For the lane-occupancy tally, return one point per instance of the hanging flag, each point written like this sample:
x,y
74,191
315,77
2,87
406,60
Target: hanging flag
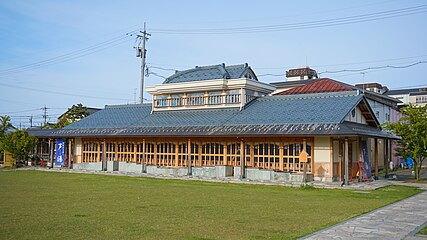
x,y
60,152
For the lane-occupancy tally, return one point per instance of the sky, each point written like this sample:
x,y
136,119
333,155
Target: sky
x,y
55,54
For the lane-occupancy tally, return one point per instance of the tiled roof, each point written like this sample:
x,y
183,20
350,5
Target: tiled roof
x,y
301,109
345,128
292,83
318,86
404,91
219,71
304,114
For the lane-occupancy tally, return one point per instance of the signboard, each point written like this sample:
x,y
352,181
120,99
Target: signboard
x,y
9,161
60,152
366,163
303,156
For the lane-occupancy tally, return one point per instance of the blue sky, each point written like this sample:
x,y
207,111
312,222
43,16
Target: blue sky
x,y
80,52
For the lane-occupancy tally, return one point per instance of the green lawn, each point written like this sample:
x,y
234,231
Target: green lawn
x,y
49,205
423,231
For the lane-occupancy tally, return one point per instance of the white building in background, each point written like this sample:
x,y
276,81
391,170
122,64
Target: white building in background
x,y
416,96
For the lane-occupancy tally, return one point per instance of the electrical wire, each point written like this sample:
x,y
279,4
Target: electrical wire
x,y
374,68
160,68
302,25
68,56
62,93
270,74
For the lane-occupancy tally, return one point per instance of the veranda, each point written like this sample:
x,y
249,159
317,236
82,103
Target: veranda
x,y
278,154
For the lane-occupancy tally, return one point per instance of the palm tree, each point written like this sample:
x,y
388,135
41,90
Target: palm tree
x,y
4,124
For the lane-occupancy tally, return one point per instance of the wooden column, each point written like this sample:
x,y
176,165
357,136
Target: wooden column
x,y
346,161
199,155
386,160
104,156
41,149
155,153
225,153
70,155
189,157
51,156
281,166
143,156
251,157
376,158
389,152
98,152
242,159
304,170
135,152
359,156
176,154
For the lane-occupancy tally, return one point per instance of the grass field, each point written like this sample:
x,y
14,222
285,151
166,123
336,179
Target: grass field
x,y
423,231
49,205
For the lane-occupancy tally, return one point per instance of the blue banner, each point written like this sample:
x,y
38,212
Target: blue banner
x,y
60,152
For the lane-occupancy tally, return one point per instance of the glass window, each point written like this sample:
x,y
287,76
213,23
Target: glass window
x,y
176,100
195,99
233,96
214,98
161,100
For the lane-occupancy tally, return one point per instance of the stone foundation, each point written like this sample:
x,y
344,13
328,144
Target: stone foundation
x,y
95,166
214,172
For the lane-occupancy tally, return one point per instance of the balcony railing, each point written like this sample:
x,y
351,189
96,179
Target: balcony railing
x,y
199,101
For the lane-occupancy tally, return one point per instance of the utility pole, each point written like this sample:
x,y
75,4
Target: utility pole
x,y
44,113
141,52
31,121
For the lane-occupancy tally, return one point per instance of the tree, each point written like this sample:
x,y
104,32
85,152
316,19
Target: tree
x,y
19,144
412,128
75,113
4,124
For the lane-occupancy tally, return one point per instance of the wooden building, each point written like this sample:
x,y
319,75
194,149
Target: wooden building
x,y
216,121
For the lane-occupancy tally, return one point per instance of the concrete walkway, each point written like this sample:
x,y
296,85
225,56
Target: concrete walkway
x,y
401,220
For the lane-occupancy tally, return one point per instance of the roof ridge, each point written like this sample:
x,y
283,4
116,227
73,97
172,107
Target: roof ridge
x,y
225,72
314,95
128,105
179,73
238,65
198,110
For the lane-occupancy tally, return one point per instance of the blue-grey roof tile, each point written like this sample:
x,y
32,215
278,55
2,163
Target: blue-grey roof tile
x,y
322,108
219,71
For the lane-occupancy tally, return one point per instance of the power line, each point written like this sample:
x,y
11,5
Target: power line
x,y
29,110
372,61
61,93
165,69
356,71
270,74
156,74
302,25
68,56
374,68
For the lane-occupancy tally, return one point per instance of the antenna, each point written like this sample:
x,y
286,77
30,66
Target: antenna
x,y
363,85
141,52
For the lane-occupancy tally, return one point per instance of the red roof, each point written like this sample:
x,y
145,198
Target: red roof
x,y
318,86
